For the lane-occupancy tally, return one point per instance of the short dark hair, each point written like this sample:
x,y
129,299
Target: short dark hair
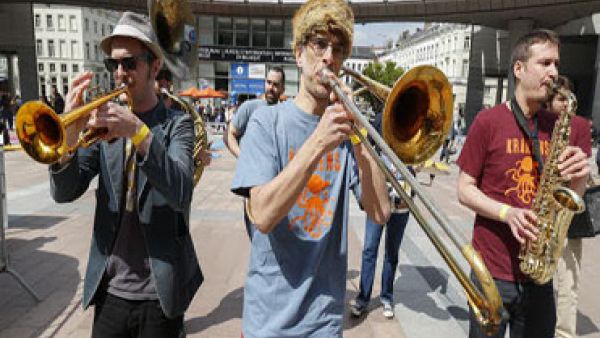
x,y
563,82
521,50
164,74
279,70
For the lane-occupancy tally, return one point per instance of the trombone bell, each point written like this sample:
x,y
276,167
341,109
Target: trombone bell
x,y
418,114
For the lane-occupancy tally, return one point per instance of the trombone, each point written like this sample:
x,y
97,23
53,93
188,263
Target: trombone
x,y
415,121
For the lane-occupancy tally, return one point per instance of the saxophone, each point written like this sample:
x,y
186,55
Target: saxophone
x,y
554,204
201,141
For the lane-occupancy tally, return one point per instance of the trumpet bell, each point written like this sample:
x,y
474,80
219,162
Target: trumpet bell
x,y
418,114
41,132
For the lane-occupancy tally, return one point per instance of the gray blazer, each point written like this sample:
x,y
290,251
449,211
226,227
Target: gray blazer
x,y
164,192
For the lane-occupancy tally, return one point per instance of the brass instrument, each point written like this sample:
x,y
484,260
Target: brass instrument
x,y
43,133
173,23
554,204
200,132
416,119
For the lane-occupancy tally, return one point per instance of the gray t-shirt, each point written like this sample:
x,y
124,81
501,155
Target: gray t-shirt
x,y
296,279
243,113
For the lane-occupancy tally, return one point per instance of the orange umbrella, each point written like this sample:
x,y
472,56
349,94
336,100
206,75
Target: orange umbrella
x,y
209,92
192,91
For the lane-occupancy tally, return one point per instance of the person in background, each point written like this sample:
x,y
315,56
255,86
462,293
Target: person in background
x,y
274,88
394,231
569,266
58,103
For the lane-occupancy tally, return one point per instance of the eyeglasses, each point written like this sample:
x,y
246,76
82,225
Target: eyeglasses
x,y
129,63
320,44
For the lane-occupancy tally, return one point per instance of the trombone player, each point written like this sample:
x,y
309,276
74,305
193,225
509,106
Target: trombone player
x,y
141,236
297,167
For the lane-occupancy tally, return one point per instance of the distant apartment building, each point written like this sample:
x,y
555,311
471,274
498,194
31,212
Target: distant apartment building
x,y
446,46
67,41
360,57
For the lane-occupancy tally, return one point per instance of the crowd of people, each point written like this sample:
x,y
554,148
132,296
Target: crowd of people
x,y
298,162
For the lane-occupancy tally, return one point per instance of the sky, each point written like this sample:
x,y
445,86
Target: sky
x,y
377,34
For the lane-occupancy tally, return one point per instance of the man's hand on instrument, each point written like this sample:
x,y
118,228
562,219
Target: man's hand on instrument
x,y
333,129
573,164
118,120
74,97
522,223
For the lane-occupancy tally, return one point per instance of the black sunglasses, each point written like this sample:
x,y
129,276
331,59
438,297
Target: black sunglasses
x,y
128,63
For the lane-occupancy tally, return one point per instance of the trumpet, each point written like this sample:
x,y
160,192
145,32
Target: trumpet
x,y
43,133
416,119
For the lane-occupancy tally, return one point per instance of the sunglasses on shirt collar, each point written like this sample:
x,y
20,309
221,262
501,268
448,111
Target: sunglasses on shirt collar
x,y
129,63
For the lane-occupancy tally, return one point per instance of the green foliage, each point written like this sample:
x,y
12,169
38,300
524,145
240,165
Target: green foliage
x,y
385,73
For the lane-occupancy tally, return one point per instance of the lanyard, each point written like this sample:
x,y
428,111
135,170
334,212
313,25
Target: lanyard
x,y
531,134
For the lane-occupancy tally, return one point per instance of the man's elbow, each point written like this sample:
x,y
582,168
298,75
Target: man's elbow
x,y
462,195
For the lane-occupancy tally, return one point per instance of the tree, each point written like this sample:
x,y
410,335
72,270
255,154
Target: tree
x,y
385,73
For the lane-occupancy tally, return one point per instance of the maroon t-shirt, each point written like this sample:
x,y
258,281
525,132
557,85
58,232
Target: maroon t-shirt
x,y
497,154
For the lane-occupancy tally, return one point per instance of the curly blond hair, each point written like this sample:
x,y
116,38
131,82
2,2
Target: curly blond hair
x,y
333,16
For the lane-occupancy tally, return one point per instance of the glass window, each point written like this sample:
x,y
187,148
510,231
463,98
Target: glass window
x,y
87,50
63,67
74,49
103,28
467,42
62,23
86,24
53,80
51,48
40,67
39,49
65,83
49,22
95,27
75,69
38,21
73,23
276,39
242,35
63,48
224,31
96,55
259,33
52,68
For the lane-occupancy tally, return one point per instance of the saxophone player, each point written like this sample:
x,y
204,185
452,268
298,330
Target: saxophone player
x,y
143,196
499,176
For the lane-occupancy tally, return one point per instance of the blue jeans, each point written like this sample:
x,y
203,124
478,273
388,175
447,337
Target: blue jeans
x,y
393,237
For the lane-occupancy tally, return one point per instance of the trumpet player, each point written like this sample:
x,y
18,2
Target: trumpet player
x,y
144,162
296,166
499,176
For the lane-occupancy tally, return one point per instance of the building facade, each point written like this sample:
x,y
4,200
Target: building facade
x,y
67,43
447,47
236,52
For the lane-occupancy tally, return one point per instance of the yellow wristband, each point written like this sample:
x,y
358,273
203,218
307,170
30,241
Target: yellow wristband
x,y
140,135
355,139
503,212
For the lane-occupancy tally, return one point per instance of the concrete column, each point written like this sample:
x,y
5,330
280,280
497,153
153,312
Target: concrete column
x,y
17,38
516,29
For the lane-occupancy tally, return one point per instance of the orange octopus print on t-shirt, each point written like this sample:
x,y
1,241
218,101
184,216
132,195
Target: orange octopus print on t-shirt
x,y
313,211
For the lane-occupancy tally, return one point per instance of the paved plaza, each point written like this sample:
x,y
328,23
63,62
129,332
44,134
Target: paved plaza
x,y
48,245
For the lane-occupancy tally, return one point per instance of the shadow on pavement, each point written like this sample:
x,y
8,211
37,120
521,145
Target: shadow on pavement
x,y
585,325
230,307
419,300
33,221
54,277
